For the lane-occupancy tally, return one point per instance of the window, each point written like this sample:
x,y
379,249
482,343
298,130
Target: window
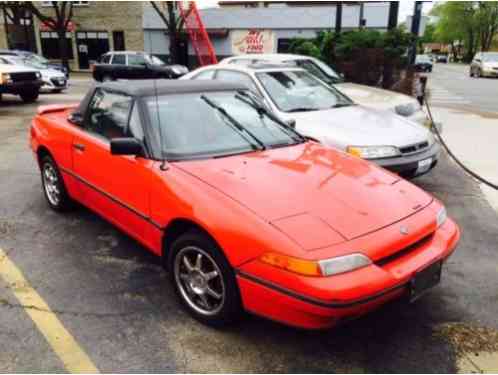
x,y
119,59
231,76
50,45
135,129
108,114
136,60
207,74
75,3
3,61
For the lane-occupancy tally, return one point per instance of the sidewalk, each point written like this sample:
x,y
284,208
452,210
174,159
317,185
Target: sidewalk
x,y
473,138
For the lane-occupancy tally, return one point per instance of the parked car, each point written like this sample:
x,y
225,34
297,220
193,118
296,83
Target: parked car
x,y
19,80
36,59
484,64
368,96
244,212
53,80
134,65
423,63
442,59
323,113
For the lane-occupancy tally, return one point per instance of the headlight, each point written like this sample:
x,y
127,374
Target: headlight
x,y
326,267
441,216
373,152
38,75
5,78
408,109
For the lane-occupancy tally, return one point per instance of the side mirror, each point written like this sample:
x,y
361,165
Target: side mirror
x,y
126,146
75,118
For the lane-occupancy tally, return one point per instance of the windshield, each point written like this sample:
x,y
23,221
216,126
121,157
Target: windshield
x,y
299,91
319,68
422,58
205,131
33,62
490,57
153,60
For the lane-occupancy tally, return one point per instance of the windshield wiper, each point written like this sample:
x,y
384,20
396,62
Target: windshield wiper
x,y
303,109
256,145
340,105
246,98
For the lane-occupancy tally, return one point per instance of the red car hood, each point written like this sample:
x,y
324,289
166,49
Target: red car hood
x,y
349,195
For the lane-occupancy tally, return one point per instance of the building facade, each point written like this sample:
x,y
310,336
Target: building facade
x,y
265,27
96,27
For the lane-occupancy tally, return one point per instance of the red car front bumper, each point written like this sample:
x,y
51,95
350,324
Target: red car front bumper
x,y
322,306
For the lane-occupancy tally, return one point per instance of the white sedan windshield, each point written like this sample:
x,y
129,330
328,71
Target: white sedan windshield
x,y
299,91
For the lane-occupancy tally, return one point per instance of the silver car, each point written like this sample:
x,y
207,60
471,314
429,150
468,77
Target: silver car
x,y
484,64
323,113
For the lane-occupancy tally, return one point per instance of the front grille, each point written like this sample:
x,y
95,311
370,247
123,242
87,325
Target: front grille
x,y
418,147
398,254
57,82
21,77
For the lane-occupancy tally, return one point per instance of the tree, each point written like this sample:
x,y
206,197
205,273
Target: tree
x,y
174,22
62,15
475,23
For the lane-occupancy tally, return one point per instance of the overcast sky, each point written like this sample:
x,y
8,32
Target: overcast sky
x,y
405,9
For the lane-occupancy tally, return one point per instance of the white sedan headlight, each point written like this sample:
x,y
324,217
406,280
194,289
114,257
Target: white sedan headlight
x,y
407,109
373,152
441,216
343,264
38,75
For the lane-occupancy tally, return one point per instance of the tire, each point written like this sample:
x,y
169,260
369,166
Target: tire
x,y
29,97
53,186
479,74
194,278
56,91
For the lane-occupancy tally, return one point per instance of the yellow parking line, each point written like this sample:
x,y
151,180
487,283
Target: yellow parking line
x,y
62,342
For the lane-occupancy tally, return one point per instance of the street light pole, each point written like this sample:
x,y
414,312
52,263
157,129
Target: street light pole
x,y
338,17
393,15
417,16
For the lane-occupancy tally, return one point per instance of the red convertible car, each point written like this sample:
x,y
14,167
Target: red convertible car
x,y
245,212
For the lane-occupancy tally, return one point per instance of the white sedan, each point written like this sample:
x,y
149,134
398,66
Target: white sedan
x,y
323,113
53,80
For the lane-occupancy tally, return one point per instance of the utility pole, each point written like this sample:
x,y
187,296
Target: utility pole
x,y
338,17
417,16
362,15
393,15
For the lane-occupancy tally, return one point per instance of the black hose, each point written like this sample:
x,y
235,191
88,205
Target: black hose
x,y
445,146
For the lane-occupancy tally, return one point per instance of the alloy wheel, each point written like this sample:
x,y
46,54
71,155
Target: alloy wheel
x,y
199,280
51,184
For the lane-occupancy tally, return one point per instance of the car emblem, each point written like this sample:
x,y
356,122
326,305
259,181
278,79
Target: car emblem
x,y
403,230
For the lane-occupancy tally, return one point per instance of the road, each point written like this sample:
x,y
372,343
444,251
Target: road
x,y
452,87
110,297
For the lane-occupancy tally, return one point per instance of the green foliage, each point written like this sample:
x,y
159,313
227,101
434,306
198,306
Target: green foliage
x,y
309,49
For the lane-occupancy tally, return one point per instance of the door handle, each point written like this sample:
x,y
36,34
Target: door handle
x,y
79,147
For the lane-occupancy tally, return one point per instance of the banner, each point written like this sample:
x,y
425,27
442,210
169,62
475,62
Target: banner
x,y
252,41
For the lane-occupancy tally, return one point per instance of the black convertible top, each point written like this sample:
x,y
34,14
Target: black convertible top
x,y
148,87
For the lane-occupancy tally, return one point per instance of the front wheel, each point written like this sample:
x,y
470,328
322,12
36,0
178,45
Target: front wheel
x,y
204,280
29,97
53,186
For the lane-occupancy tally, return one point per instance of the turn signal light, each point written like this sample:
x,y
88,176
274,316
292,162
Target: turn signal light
x,y
300,266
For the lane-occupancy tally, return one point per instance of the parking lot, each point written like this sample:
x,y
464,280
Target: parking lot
x,y
76,287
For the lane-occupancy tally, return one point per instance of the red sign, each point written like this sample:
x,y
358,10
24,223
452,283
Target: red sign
x,y
48,26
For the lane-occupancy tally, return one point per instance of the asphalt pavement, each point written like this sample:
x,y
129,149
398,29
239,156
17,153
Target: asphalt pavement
x,y
113,299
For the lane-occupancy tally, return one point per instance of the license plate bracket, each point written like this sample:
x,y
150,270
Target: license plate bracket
x,y
425,280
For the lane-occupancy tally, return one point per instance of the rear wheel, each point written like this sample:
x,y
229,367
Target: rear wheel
x,y
204,280
53,185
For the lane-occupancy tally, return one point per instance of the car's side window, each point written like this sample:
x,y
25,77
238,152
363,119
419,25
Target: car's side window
x,y
137,60
135,128
206,74
119,59
108,114
231,76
